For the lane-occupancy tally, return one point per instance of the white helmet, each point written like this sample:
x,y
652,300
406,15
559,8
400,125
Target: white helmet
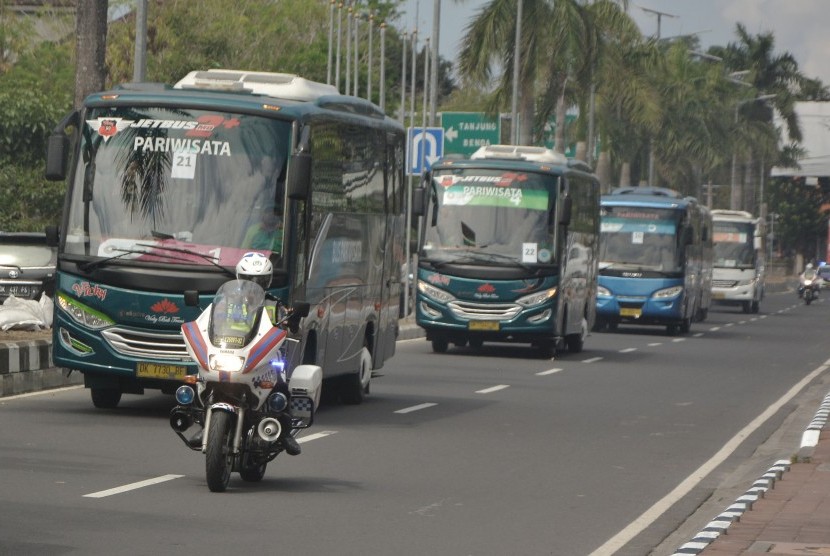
x,y
809,266
255,267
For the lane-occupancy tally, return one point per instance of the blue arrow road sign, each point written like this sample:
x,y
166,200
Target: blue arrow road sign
x,y
425,146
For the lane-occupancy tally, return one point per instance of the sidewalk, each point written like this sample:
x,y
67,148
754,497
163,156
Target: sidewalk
x,y
785,512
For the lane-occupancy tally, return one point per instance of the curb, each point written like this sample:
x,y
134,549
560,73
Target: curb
x,y
719,525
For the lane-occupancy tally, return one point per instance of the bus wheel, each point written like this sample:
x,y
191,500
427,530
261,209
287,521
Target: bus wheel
x,y
440,345
672,329
105,398
755,307
746,306
686,325
356,386
575,342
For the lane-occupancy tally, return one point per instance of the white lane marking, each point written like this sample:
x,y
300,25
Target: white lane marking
x,y
592,360
493,389
730,324
548,372
315,436
660,507
416,408
51,391
655,344
714,329
132,486
698,335
627,350
675,340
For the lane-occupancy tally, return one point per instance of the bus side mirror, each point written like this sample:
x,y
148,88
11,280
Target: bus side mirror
x,y
567,208
300,310
299,177
191,298
52,236
57,151
756,243
419,201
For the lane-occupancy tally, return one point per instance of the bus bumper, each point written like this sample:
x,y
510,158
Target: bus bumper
x,y
637,310
77,348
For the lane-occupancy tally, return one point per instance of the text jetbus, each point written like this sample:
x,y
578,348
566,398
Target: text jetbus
x,y
655,259
167,187
508,251
739,266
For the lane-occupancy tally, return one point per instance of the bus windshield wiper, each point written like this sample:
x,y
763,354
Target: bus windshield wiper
x,y
479,257
123,252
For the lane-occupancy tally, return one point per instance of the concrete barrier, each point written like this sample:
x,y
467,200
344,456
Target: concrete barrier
x,y
26,366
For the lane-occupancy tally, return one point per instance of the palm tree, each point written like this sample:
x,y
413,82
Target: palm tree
x,y
489,42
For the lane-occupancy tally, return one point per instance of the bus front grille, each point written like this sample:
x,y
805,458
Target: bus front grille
x,y
147,345
724,283
484,311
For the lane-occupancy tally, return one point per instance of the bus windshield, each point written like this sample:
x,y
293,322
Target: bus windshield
x,y
733,242
488,215
639,237
177,185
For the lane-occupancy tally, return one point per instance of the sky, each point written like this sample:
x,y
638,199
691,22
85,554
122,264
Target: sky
x,y
800,27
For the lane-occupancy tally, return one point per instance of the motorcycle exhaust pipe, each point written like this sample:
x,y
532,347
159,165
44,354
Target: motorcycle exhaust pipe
x,y
180,421
269,429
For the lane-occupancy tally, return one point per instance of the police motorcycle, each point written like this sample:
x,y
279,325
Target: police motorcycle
x,y
246,407
809,284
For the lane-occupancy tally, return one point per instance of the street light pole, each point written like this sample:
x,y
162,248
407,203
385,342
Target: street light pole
x,y
735,196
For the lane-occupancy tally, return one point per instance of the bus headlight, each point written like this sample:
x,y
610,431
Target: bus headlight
x,y
603,292
536,298
435,293
673,291
225,362
82,314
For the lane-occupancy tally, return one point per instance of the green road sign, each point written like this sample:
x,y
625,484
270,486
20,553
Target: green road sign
x,y
465,132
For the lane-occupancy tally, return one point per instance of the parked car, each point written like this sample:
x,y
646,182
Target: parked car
x,y
824,273
27,265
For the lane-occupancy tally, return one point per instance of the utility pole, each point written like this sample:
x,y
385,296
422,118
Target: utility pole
x,y
140,67
436,31
514,119
660,16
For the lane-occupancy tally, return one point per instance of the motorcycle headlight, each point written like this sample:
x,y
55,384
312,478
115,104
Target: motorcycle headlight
x,y
673,291
435,293
536,298
225,362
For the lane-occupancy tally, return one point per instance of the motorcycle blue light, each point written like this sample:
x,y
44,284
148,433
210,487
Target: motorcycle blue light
x,y
277,364
185,395
277,402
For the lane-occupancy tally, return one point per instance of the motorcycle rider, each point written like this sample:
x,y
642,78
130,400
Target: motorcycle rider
x,y
256,268
809,273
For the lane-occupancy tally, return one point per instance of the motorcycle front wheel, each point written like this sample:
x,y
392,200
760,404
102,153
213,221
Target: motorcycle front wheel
x,y
219,453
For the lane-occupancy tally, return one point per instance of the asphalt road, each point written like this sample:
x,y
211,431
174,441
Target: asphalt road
x,y
493,451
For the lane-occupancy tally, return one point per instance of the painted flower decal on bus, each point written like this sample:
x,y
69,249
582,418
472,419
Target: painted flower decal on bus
x,y
164,306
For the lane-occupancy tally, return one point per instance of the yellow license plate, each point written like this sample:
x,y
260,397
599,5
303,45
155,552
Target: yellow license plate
x,y
160,370
489,325
629,312
718,295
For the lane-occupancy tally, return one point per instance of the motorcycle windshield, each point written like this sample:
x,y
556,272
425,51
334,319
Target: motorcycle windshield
x,y
234,317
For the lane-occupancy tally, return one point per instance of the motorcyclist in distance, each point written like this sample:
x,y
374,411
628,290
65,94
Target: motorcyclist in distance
x,y
809,274
258,269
